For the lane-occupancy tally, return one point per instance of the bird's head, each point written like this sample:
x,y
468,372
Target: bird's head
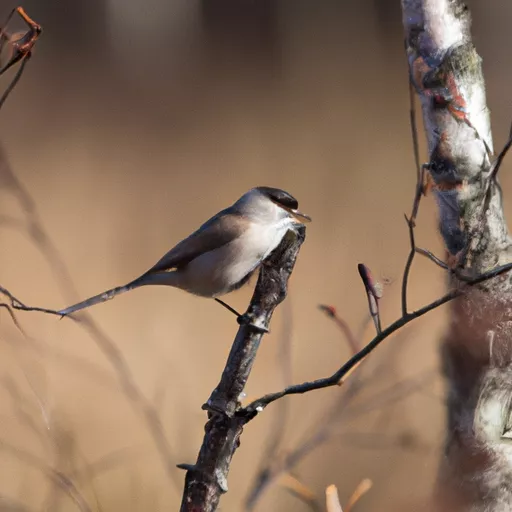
x,y
271,202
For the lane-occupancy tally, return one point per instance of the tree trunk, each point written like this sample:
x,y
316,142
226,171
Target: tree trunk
x,y
476,470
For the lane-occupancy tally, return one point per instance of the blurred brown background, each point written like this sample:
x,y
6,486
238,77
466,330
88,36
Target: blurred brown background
x,y
136,121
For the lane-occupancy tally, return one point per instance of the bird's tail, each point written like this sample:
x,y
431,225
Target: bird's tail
x,y
102,297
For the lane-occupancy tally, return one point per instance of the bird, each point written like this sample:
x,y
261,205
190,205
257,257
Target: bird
x,y
223,253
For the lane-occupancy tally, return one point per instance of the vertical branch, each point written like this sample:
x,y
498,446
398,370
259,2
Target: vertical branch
x,y
420,181
206,481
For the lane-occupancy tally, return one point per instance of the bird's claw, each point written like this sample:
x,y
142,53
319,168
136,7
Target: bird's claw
x,y
246,320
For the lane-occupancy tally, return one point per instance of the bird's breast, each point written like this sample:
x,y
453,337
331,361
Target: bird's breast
x,y
220,271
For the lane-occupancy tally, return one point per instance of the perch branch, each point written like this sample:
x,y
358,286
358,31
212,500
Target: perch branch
x,y
206,480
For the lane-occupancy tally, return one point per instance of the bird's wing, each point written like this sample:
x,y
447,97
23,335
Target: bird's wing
x,y
218,231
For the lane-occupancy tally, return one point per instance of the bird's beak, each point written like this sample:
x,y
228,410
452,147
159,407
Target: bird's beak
x,y
301,217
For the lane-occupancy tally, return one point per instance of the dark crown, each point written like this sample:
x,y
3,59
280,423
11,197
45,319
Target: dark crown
x,y
280,197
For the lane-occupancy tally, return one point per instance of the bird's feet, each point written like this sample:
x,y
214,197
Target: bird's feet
x,y
243,319
246,320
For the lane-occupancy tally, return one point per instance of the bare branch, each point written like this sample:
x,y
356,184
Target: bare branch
x,y
495,167
373,293
411,224
61,480
9,310
257,406
432,257
326,427
15,80
343,325
17,304
420,180
207,479
36,231
21,48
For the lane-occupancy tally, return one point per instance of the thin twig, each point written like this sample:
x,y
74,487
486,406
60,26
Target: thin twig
x,y
373,294
258,405
153,422
14,81
23,45
495,167
392,394
22,48
432,257
411,224
18,402
420,178
331,312
17,304
37,232
326,430
285,462
492,176
12,315
328,424
61,480
450,83
408,264
414,132
105,463
89,480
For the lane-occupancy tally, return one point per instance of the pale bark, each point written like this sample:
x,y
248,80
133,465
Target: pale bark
x,y
476,470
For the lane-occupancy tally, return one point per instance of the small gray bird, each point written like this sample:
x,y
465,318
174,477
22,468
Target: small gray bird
x,y
223,253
